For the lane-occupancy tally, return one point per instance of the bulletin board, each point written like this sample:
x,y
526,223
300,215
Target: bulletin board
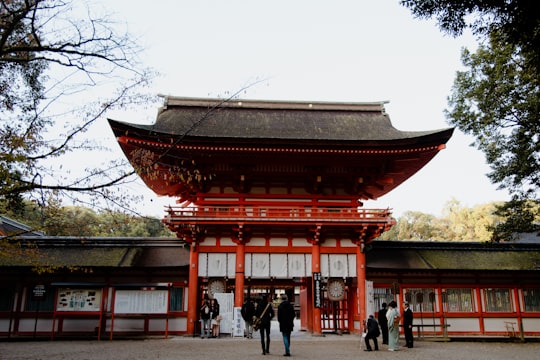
x,y
141,301
78,300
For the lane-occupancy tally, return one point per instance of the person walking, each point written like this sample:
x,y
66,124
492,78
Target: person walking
x,y
265,313
205,318
408,324
393,317
383,323
373,333
286,317
248,311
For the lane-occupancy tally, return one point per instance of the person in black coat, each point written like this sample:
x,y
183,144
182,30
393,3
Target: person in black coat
x,y
265,312
248,311
407,325
373,332
214,311
286,317
383,323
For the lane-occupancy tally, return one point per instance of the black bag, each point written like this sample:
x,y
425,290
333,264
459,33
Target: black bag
x,y
257,319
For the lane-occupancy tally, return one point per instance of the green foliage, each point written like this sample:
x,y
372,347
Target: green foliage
x,y
498,103
497,99
522,216
457,223
517,21
58,220
413,225
51,52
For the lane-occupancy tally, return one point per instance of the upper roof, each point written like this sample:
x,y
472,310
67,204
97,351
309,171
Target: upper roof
x,y
258,119
347,145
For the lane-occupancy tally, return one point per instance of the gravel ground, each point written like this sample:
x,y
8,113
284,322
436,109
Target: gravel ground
x,y
303,346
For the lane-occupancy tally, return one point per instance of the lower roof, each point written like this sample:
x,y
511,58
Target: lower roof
x,y
472,256
381,255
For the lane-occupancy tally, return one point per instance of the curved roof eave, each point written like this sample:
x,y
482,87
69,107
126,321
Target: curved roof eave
x,y
153,132
244,120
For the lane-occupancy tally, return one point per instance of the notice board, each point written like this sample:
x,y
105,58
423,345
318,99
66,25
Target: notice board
x,y
78,300
140,302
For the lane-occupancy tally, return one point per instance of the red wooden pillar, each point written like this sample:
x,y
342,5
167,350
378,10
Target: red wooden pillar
x,y
361,277
316,267
240,274
193,288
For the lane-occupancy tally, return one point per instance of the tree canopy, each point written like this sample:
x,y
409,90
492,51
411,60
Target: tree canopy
x,y
58,220
457,223
497,99
516,21
58,61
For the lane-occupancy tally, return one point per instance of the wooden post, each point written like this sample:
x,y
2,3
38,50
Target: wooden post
x,y
240,275
316,268
361,280
193,288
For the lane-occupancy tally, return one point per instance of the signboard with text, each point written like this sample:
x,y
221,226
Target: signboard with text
x,y
238,322
140,302
39,292
317,290
78,300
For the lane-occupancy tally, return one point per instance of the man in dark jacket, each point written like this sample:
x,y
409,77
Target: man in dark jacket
x,y
265,313
286,316
383,323
248,311
407,325
372,329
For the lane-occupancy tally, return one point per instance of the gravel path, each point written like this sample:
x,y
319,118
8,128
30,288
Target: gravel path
x,y
303,346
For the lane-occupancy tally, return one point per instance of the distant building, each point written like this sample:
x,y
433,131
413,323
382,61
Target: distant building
x,y
10,227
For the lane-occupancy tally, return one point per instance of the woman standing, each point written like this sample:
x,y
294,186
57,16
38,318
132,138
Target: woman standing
x,y
393,317
214,309
205,318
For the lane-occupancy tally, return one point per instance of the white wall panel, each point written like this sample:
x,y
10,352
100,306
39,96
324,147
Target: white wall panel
x,y
281,266
203,264
217,265
338,265
325,265
297,265
260,265
352,265
278,266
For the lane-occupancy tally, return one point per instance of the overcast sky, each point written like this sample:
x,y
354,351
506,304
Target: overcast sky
x,y
343,50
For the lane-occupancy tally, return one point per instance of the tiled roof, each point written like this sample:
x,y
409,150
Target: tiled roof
x,y
99,252
453,256
9,227
248,119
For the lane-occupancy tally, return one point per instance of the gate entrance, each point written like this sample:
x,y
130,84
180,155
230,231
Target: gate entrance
x,y
335,316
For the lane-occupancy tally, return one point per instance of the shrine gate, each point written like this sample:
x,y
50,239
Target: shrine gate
x,y
270,196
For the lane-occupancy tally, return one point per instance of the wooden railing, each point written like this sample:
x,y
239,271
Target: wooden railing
x,y
276,214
